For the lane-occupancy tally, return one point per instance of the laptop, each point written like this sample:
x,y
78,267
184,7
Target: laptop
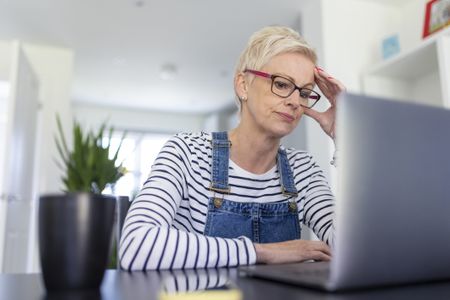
x,y
392,215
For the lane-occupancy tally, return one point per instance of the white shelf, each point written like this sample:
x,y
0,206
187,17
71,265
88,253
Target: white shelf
x,y
413,63
421,74
390,2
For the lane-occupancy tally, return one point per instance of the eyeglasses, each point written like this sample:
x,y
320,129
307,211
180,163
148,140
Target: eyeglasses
x,y
284,87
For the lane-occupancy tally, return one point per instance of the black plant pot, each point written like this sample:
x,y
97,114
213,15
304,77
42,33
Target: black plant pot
x,y
75,233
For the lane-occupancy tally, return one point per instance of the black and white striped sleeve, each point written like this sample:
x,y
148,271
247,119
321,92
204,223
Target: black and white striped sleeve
x,y
319,205
150,242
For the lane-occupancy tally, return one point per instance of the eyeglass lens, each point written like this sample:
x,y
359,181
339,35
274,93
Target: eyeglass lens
x,y
284,88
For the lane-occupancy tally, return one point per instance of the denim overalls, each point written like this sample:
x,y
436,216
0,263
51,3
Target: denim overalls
x,y
261,222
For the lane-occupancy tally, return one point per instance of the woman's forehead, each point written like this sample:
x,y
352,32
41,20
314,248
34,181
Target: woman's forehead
x,y
290,59
294,66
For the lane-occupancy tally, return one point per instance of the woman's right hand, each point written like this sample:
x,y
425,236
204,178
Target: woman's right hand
x,y
292,251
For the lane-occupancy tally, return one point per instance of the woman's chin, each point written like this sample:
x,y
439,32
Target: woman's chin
x,y
281,131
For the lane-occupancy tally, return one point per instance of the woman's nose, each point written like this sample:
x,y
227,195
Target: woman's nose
x,y
294,99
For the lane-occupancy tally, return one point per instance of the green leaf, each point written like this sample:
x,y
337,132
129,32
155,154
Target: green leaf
x,y
61,134
87,165
120,146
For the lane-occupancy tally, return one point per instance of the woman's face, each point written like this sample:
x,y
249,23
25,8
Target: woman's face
x,y
271,114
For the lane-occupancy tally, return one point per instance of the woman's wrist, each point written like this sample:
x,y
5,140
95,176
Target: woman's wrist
x,y
260,253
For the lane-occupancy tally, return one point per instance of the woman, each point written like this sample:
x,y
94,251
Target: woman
x,y
238,197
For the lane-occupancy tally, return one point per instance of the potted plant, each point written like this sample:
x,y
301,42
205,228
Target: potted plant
x,y
75,227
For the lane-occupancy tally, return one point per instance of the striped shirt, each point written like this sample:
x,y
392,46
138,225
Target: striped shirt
x,y
164,228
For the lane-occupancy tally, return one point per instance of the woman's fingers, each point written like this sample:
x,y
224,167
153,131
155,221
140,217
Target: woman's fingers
x,y
321,251
320,246
318,255
324,77
322,83
313,114
325,248
330,86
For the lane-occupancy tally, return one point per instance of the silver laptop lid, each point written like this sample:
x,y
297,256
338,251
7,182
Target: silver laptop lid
x,y
393,200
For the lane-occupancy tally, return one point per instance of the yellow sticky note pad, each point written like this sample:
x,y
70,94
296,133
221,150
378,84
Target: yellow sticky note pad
x,y
213,294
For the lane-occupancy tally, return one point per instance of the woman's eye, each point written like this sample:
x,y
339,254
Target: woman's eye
x,y
282,85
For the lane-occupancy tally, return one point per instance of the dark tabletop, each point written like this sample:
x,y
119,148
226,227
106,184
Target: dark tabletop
x,y
148,285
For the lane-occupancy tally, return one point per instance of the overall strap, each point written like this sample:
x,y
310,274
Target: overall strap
x,y
220,156
286,176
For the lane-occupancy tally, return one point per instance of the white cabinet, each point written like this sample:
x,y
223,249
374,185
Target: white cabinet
x,y
23,66
17,161
421,74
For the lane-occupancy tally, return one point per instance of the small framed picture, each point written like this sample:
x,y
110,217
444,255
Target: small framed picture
x,y
437,16
390,46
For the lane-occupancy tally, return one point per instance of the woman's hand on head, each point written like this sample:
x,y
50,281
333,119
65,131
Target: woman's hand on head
x,y
292,251
330,88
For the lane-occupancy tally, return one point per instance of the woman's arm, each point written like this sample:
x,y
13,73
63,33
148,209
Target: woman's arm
x,y
319,205
150,242
318,212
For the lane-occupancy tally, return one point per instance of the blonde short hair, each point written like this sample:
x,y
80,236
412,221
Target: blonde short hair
x,y
268,42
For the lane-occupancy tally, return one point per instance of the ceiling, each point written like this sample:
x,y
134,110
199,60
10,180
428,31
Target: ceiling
x,y
122,46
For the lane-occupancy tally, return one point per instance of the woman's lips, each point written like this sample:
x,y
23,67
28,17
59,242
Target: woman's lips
x,y
286,116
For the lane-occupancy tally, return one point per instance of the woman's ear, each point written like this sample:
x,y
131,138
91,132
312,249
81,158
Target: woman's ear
x,y
240,86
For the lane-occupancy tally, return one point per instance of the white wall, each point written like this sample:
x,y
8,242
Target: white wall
x,y
5,59
411,25
353,31
6,51
225,119
53,67
19,153
5,64
138,120
4,94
